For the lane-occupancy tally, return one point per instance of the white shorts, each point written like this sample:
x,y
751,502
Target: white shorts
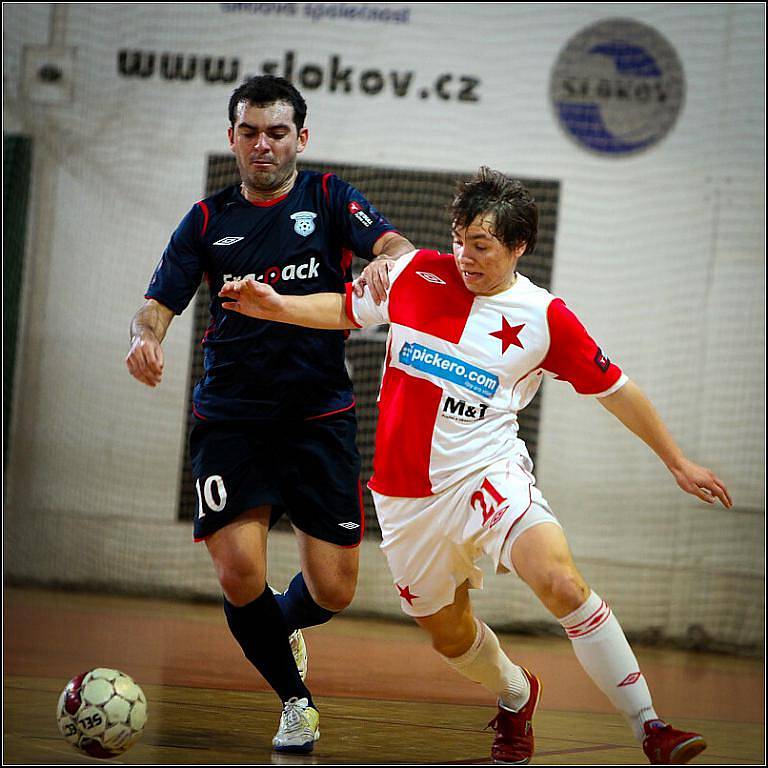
x,y
432,543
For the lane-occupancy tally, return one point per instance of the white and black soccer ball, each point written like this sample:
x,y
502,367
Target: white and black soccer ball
x,y
102,713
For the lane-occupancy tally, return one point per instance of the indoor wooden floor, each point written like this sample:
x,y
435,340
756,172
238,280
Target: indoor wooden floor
x,y
384,695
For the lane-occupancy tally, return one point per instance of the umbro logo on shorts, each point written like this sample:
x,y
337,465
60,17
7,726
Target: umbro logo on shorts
x,y
430,278
350,526
228,240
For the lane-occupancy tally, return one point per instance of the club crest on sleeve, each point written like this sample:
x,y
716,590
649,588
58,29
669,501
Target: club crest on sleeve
x,y
602,362
303,223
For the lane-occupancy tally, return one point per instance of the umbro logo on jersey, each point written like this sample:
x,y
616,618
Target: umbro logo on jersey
x,y
229,240
350,526
430,278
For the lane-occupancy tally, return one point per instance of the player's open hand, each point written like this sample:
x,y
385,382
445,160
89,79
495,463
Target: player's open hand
x,y
376,277
251,298
145,359
702,483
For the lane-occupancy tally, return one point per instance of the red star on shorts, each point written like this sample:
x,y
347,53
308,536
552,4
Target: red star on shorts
x,y
508,334
405,593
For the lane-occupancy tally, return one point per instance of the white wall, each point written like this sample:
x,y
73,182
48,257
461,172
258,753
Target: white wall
x,y
661,254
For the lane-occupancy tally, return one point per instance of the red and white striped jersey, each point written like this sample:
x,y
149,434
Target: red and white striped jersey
x,y
459,367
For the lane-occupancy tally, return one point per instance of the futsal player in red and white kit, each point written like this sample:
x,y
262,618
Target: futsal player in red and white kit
x,y
470,341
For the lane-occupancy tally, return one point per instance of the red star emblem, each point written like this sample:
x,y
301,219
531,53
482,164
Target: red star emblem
x,y
508,334
405,593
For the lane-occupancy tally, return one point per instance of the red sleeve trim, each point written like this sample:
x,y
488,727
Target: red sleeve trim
x,y
348,304
206,216
327,194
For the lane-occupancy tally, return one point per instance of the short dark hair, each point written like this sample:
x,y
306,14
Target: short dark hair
x,y
267,89
515,214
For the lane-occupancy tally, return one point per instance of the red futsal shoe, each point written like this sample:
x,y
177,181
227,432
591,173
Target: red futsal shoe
x,y
513,742
663,745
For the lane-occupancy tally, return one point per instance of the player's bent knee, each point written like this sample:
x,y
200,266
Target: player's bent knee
x,y
564,591
451,647
335,597
449,639
241,586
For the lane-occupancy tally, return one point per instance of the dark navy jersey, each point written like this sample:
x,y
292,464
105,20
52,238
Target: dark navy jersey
x,y
300,243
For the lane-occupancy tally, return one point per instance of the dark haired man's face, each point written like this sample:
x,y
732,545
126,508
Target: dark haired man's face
x,y
265,142
485,264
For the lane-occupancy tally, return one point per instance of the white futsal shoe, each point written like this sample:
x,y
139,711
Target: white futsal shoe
x,y
298,646
299,727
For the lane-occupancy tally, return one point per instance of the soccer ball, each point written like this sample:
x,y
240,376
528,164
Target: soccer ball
x,y
102,712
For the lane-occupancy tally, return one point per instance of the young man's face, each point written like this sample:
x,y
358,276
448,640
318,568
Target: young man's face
x,y
265,143
485,264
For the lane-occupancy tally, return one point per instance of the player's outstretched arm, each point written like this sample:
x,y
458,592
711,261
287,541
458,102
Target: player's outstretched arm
x,y
316,310
636,412
148,329
387,249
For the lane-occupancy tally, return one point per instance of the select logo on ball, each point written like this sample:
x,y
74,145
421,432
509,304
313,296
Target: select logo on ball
x,y
102,713
617,87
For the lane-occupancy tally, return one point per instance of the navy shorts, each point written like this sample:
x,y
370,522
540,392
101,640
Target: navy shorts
x,y
309,470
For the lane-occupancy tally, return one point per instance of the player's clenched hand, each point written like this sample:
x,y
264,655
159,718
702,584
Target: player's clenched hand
x,y
251,298
376,277
145,359
701,482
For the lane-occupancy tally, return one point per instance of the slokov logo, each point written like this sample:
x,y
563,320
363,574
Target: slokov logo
x,y
617,87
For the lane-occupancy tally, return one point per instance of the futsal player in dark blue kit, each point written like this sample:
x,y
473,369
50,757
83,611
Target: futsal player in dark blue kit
x,y
274,411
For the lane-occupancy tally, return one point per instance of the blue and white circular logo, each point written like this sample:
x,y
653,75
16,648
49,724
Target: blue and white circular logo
x,y
617,87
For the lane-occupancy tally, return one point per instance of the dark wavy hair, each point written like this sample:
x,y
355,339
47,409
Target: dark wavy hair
x,y
514,211
267,89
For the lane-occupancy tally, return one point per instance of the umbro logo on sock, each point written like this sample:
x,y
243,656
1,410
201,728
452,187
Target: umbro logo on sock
x,y
630,679
351,526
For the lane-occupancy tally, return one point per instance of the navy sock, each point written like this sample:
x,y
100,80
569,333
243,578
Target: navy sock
x,y
298,607
260,629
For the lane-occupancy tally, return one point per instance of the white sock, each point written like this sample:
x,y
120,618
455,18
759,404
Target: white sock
x,y
486,663
604,652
